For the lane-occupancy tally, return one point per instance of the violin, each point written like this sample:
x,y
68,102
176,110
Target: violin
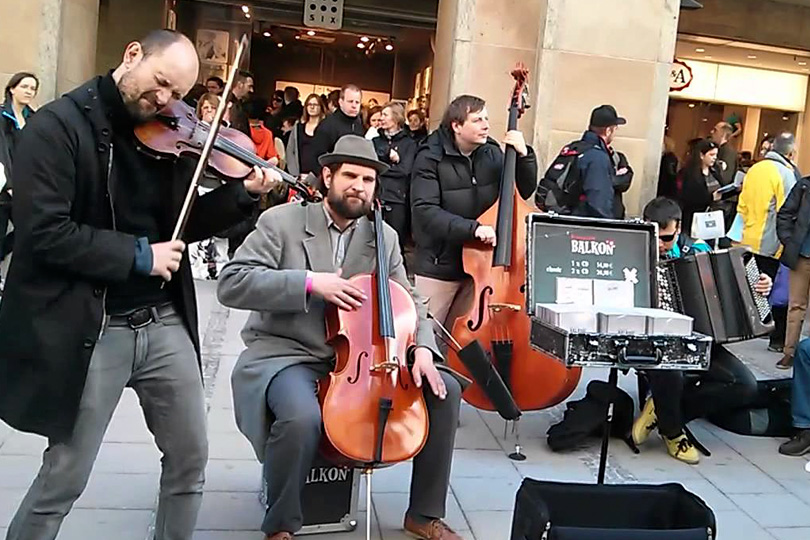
x,y
177,131
373,413
497,319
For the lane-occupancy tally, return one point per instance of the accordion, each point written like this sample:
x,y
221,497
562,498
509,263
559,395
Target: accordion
x,y
716,289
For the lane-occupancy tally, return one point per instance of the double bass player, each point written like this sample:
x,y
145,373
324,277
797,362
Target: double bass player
x,y
297,260
456,178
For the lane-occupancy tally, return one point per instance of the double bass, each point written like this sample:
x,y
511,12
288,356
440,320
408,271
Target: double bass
x,y
373,413
497,320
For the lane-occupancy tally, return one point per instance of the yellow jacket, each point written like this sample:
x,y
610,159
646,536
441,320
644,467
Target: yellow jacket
x,y
765,188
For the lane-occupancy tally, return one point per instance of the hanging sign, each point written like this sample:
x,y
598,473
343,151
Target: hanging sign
x,y
680,77
323,14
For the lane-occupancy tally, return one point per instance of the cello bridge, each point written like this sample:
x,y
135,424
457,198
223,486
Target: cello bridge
x,y
497,308
387,366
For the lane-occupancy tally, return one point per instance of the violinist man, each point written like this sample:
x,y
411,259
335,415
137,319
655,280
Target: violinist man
x,y
456,178
99,298
297,261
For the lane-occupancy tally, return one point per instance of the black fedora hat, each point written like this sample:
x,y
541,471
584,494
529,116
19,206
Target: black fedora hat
x,y
354,149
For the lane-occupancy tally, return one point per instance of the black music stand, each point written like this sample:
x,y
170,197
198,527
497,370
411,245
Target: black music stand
x,y
613,383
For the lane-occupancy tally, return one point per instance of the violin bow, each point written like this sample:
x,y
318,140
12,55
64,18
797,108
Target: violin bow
x,y
209,141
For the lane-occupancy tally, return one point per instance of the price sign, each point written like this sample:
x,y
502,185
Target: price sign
x,y
323,14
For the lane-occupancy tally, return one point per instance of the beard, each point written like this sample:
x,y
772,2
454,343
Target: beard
x,y
348,206
140,106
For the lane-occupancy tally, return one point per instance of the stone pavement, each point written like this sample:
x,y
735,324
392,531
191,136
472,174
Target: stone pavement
x,y
756,493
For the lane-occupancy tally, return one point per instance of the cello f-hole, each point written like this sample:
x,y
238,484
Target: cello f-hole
x,y
356,376
474,327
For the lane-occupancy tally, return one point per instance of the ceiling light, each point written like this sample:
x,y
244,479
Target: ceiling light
x,y
708,56
361,45
266,34
802,63
700,50
691,105
247,15
705,119
389,47
364,39
752,57
245,9
311,33
280,45
297,37
785,118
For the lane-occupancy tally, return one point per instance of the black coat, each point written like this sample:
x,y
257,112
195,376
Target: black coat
x,y
67,253
793,222
9,133
333,127
395,183
449,192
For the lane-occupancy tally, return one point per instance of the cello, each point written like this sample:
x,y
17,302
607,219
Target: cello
x,y
497,319
373,413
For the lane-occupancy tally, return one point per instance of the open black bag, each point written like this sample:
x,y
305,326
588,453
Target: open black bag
x,y
566,511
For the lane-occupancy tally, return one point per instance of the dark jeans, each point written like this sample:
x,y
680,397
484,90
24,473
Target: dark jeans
x,y
681,397
800,401
296,432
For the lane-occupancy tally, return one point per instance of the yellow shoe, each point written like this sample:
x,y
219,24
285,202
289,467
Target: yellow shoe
x,y
681,448
646,423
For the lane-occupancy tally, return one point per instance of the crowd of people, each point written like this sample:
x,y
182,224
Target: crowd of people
x,y
98,298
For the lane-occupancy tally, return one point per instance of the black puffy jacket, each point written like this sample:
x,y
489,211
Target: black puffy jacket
x,y
449,192
333,127
793,222
395,183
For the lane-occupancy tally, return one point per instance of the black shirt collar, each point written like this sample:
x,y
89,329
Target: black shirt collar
x,y
113,103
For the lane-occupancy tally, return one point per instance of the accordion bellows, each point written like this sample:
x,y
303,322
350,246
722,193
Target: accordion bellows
x,y
716,289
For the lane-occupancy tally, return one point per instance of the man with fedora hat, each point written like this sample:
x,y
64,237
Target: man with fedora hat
x,y
299,258
596,168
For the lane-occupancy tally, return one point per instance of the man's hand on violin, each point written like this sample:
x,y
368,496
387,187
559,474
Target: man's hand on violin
x,y
515,138
424,368
166,257
338,291
262,181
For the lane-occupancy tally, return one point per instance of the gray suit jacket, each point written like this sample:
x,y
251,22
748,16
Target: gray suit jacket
x,y
268,277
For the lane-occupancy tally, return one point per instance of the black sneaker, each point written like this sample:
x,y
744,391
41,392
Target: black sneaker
x,y
799,445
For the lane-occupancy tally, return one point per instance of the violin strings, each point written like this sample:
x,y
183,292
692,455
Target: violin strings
x,y
247,155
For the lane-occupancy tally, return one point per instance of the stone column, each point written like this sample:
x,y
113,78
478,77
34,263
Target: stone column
x,y
56,39
750,134
580,54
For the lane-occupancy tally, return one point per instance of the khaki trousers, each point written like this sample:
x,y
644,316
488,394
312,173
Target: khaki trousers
x,y
447,300
799,290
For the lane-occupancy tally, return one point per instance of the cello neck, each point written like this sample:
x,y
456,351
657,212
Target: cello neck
x,y
385,309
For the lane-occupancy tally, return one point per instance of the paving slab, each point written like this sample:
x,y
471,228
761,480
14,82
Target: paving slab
x,y
755,493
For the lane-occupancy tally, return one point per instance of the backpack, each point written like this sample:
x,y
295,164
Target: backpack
x,y
585,418
561,186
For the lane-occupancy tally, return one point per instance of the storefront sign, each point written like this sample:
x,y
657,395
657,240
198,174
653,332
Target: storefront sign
x,y
738,85
681,76
323,14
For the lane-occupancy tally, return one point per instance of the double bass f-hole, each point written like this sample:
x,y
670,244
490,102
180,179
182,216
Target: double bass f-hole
x,y
482,302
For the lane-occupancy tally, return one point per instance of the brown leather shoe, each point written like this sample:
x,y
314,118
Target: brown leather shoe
x,y
432,530
279,536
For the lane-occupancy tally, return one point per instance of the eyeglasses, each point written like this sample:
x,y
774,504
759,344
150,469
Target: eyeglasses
x,y
667,237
